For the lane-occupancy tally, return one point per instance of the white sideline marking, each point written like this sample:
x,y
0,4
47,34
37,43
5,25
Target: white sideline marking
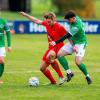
x,y
37,71
23,72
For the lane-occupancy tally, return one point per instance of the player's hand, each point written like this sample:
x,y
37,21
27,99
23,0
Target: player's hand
x,y
22,13
9,49
52,43
75,49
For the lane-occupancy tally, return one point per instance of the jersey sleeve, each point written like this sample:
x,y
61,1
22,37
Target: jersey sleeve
x,y
8,34
6,27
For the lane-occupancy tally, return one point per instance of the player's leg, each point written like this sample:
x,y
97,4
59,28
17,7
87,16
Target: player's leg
x,y
49,55
51,58
2,55
64,63
1,66
65,50
78,60
82,67
46,72
43,67
56,67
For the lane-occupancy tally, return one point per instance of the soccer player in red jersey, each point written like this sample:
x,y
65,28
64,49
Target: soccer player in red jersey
x,y
54,32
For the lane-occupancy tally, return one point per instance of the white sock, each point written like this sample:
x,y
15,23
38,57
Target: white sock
x,y
88,75
68,71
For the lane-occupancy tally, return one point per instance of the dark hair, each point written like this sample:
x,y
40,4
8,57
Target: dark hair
x,y
70,14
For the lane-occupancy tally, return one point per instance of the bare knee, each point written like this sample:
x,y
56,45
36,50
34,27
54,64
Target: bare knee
x,y
51,56
42,69
78,61
2,60
43,66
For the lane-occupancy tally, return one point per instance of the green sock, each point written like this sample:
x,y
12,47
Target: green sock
x,y
1,69
63,62
82,67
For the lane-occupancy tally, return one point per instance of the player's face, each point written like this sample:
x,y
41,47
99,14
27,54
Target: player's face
x,y
72,20
49,21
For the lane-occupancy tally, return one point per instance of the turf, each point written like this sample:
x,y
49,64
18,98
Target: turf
x,y
24,60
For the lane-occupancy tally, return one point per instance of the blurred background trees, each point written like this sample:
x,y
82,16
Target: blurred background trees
x,y
19,5
85,8
16,5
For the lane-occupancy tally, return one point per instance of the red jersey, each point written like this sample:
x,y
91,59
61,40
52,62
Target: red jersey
x,y
54,32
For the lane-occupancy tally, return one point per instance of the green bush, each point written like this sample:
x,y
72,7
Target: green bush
x,y
85,8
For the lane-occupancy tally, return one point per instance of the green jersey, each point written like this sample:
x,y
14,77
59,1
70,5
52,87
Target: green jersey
x,y
77,31
4,27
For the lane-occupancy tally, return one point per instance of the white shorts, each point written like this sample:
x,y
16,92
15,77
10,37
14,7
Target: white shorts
x,y
68,48
2,51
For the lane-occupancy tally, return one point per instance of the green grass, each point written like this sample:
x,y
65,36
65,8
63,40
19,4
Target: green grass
x,y
24,60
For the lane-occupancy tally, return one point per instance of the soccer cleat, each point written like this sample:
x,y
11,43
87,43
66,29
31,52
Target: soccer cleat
x,y
89,80
53,83
69,76
61,81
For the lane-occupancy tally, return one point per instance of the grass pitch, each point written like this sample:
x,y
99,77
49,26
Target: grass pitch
x,y
23,62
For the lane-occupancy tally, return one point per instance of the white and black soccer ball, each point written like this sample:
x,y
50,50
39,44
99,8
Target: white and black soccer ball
x,y
33,81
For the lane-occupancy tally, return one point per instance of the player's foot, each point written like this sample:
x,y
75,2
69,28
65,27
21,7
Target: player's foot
x,y
61,81
1,82
69,76
54,83
89,80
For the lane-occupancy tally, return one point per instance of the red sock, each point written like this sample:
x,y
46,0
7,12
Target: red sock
x,y
48,74
56,67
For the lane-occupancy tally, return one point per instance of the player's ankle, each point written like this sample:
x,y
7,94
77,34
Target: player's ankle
x,y
68,71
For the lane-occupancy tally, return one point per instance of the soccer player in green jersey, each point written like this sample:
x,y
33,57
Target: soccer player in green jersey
x,y
4,28
77,44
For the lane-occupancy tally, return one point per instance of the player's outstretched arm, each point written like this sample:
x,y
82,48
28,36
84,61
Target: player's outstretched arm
x,y
8,34
35,20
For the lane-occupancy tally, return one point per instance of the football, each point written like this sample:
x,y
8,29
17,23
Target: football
x,y
33,81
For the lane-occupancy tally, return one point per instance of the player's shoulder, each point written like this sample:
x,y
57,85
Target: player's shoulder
x,y
60,26
79,20
77,17
57,24
2,20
